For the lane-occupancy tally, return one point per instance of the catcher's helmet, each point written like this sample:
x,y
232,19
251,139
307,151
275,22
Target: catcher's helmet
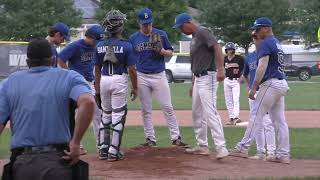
x,y
230,46
113,21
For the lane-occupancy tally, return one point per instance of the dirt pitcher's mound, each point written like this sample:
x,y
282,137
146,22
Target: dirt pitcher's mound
x,y
173,163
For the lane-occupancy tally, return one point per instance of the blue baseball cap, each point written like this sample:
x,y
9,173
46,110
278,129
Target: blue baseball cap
x,y
182,18
63,29
261,22
145,16
96,32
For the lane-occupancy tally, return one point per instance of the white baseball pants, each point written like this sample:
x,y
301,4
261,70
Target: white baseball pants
x,y
204,111
232,95
270,98
114,92
265,137
157,85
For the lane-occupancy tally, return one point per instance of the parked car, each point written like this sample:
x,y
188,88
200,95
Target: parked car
x,y
178,67
302,65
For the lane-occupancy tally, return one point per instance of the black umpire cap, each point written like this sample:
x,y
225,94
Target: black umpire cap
x,y
39,49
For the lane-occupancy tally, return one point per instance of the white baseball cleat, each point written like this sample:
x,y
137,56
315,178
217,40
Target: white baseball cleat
x,y
237,153
222,153
202,150
272,158
258,156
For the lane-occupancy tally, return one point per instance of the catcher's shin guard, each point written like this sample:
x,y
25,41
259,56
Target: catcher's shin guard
x,y
104,131
118,128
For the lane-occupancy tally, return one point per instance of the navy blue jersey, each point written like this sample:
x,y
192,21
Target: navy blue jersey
x,y
80,57
123,51
272,48
250,67
54,55
147,59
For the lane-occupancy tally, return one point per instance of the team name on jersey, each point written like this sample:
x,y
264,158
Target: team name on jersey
x,y
87,56
253,66
231,65
116,49
143,46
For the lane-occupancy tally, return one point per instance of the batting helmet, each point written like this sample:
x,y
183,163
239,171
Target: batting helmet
x,y
114,21
230,45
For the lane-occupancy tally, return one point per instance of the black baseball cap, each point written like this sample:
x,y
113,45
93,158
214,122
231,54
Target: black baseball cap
x,y
39,49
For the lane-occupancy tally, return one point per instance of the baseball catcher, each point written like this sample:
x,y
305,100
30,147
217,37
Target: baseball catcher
x,y
114,60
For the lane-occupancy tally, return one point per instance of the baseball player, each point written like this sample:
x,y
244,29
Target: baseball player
x,y
80,58
114,60
57,34
265,138
233,65
273,87
207,69
151,45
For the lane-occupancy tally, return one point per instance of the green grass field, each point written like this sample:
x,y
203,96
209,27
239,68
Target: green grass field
x,y
303,141
302,96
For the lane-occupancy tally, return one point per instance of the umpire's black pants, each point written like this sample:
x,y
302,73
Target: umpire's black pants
x,y
43,166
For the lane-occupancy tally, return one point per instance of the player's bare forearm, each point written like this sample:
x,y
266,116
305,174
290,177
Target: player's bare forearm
x,y
191,88
192,81
62,64
1,128
86,108
246,80
218,57
219,62
97,78
134,83
166,52
133,76
261,70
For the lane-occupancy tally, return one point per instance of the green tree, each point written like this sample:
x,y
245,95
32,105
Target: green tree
x,y
230,20
307,14
24,19
164,12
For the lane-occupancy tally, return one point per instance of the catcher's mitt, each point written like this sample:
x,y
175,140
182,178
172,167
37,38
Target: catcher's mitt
x,y
110,56
155,40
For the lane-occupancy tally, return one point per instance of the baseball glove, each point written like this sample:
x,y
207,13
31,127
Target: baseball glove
x,y
110,56
155,40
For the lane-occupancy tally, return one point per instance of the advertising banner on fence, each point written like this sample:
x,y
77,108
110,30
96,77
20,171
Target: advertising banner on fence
x,y
12,58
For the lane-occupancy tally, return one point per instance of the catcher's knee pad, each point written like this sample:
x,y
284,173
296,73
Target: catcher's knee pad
x,y
119,126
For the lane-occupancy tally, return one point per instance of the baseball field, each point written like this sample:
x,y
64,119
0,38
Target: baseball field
x,y
165,162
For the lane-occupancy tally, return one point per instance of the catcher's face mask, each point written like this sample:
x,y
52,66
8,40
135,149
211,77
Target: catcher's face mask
x,y
114,21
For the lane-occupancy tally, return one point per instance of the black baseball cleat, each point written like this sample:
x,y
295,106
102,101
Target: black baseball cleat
x,y
103,153
115,157
231,122
236,121
149,143
178,143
